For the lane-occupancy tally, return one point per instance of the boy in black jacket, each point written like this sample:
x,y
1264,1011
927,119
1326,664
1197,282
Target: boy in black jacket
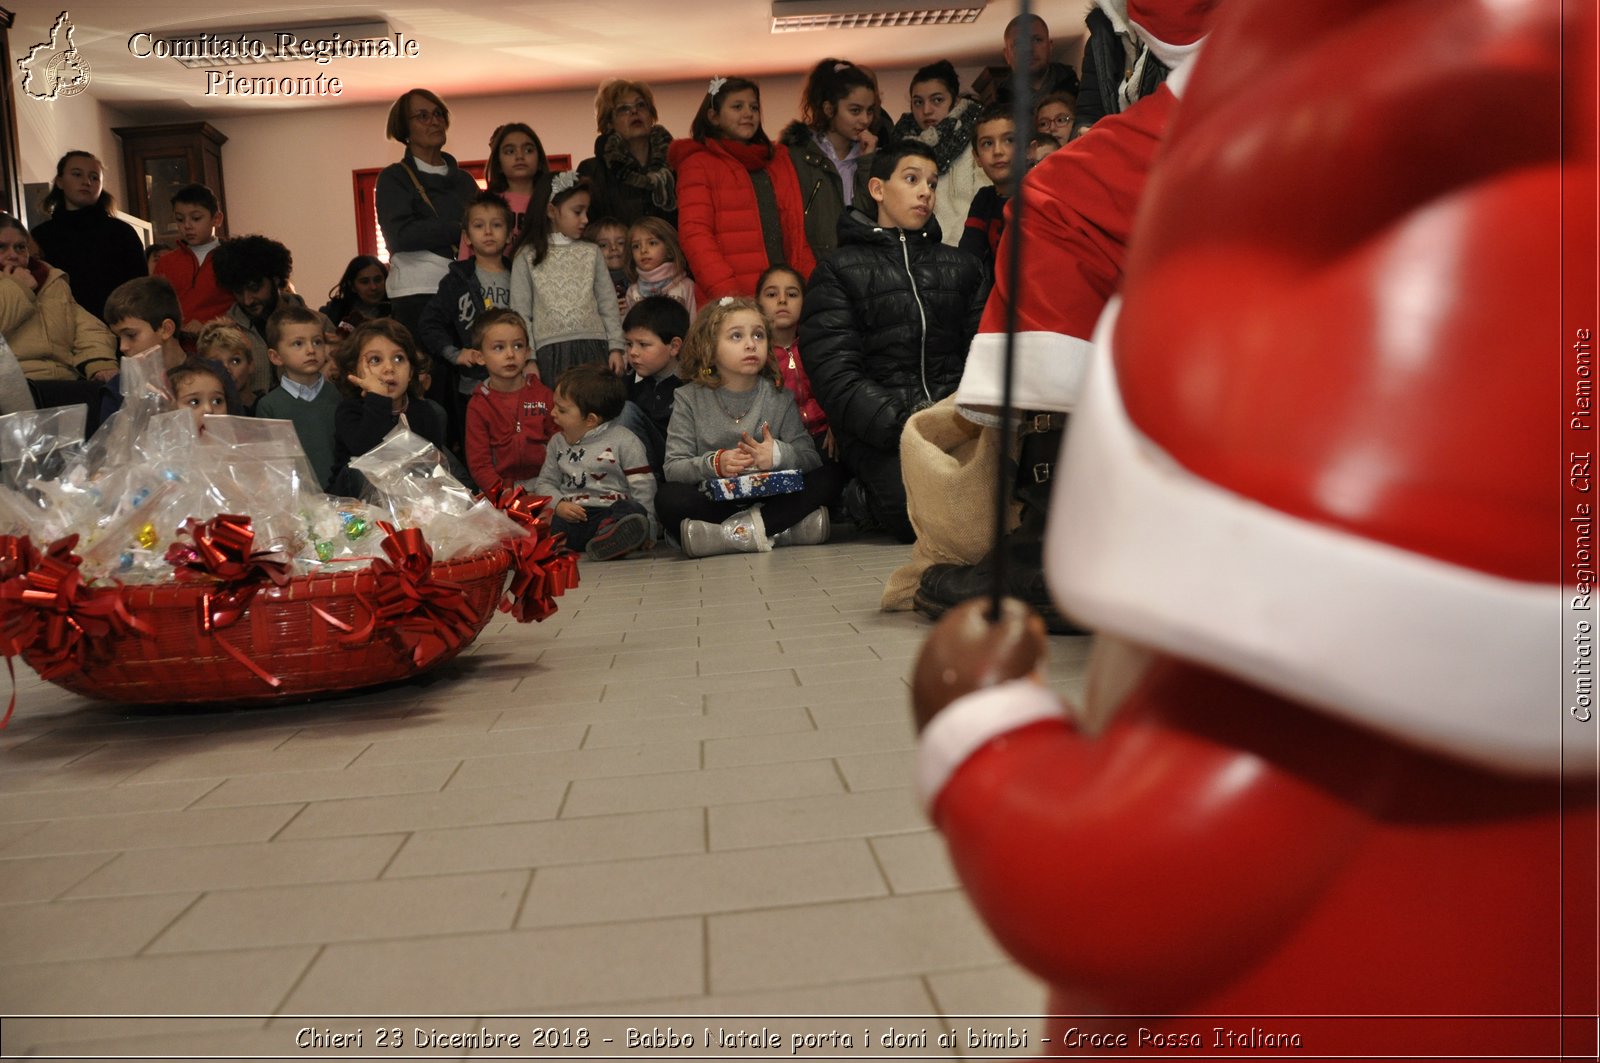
x,y
470,286
888,318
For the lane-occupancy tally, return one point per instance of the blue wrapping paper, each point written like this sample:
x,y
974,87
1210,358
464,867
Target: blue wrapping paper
x,y
755,485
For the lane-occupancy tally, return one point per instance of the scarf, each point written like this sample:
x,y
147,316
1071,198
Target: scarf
x,y
654,177
753,157
950,138
657,281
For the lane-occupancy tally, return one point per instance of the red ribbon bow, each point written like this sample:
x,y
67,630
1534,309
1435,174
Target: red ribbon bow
x,y
542,567
221,552
45,608
431,617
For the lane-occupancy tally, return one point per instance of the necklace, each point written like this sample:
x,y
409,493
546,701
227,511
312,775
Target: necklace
x,y
716,393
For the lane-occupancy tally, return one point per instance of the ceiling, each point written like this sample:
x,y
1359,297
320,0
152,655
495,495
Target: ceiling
x,y
495,49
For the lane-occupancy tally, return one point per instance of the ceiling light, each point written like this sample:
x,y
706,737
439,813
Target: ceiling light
x,y
790,16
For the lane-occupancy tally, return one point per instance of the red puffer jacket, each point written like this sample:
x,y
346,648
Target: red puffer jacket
x,y
719,224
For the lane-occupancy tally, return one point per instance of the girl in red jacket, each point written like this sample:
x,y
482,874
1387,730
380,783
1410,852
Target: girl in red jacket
x,y
739,205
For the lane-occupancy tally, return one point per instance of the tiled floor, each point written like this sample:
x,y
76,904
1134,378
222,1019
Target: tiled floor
x,y
686,793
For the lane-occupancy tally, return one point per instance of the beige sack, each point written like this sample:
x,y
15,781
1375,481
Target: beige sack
x,y
948,464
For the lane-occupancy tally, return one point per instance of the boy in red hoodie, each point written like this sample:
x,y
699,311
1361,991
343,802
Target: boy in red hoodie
x,y
189,266
508,416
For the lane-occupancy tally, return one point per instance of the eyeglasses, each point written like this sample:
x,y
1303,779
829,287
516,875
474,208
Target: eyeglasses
x,y
428,116
625,109
1057,122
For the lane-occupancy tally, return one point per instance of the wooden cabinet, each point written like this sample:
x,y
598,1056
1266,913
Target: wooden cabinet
x,y
160,159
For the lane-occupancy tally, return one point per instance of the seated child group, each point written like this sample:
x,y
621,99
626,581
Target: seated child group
x,y
727,417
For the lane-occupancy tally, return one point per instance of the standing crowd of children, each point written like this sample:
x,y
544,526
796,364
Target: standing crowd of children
x,y
729,363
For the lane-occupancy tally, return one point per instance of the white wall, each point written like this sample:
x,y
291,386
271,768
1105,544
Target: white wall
x,y
48,129
288,173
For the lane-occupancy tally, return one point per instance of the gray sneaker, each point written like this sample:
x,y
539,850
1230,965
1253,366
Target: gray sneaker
x,y
618,536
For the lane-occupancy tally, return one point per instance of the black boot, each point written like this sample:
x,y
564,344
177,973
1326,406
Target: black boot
x,y
945,586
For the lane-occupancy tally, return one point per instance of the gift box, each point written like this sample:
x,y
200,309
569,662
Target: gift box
x,y
755,485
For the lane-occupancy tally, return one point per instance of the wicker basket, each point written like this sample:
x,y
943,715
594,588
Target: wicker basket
x,y
285,631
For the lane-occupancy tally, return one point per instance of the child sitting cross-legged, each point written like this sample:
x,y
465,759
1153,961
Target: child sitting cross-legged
x,y
509,416
596,469
736,419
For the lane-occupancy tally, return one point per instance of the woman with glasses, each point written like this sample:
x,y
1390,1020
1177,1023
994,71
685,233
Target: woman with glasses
x,y
628,176
421,200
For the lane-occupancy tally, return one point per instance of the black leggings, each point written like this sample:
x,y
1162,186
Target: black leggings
x,y
677,502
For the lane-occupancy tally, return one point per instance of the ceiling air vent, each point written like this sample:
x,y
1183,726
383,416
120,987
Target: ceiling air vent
x,y
251,46
791,16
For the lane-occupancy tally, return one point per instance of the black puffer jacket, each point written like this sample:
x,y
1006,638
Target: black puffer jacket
x,y
888,318
1104,60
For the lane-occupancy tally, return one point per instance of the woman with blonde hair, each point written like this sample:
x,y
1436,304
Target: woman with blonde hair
x,y
628,176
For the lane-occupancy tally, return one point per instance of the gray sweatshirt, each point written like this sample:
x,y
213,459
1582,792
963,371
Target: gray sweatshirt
x,y
607,465
700,427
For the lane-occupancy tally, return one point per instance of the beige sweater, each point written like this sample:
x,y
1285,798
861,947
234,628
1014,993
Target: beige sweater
x,y
53,337
566,297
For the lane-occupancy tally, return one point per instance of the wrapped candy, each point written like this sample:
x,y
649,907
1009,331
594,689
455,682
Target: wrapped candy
x,y
40,444
412,483
156,540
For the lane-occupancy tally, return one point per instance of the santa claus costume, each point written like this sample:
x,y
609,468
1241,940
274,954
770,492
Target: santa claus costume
x,y
1309,499
1079,205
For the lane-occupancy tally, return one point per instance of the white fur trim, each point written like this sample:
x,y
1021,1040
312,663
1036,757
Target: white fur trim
x,y
970,721
1436,655
1175,56
1050,368
1178,80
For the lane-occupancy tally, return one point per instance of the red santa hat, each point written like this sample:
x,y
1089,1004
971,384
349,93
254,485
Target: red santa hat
x,y
1171,29
1316,447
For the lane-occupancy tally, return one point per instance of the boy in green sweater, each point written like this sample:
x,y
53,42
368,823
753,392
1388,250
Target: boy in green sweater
x,y
296,346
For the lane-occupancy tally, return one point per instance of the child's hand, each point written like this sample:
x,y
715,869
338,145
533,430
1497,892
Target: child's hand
x,y
23,276
618,362
470,356
761,453
735,462
572,513
868,142
829,448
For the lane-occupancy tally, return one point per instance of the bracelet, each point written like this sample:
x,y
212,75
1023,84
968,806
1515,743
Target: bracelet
x,y
716,462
